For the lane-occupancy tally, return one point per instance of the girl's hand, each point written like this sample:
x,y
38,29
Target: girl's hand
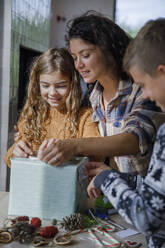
x,y
22,149
94,168
55,152
92,191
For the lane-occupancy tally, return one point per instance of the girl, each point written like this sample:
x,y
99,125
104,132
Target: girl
x,y
53,106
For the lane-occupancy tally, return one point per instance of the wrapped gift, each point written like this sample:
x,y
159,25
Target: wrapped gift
x,y
41,190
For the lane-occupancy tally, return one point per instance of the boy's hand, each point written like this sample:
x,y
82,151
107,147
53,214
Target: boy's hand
x,y
92,191
22,149
94,168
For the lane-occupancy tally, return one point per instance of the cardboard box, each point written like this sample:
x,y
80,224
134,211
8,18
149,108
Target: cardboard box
x,y
41,190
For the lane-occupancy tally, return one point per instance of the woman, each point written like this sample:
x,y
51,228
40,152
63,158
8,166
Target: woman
x,y
53,106
143,208
126,120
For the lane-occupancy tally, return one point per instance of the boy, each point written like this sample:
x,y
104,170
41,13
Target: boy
x,y
145,209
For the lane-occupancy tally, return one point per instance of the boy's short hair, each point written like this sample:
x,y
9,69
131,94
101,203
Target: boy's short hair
x,y
147,49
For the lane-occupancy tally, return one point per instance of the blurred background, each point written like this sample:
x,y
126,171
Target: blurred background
x,y
29,27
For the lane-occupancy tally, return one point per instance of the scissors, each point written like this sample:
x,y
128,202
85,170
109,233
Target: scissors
x,y
103,226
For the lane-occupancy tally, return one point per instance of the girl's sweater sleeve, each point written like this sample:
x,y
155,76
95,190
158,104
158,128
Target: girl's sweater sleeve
x,y
144,208
9,153
87,128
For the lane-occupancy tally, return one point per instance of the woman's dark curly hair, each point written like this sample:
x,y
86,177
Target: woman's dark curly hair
x,y
99,30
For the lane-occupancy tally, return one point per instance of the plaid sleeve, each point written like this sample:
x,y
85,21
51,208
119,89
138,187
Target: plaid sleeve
x,y
143,121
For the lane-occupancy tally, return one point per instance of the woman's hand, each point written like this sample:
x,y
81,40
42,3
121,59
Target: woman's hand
x,y
93,192
56,152
94,168
22,149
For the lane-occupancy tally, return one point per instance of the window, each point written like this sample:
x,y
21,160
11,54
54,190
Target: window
x,y
132,15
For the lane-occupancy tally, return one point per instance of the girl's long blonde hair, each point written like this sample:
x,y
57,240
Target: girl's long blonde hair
x,y
36,109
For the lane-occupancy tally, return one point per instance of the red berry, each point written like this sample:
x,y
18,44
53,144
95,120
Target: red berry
x,y
36,222
48,231
132,243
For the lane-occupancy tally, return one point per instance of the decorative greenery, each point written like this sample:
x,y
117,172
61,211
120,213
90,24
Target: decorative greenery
x,y
88,221
101,204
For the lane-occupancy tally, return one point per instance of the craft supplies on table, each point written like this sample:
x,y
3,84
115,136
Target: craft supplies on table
x,y
5,237
82,240
75,232
94,237
63,240
103,228
115,224
111,242
102,224
41,190
132,244
126,233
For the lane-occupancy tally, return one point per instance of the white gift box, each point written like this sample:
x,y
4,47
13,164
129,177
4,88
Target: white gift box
x,y
41,190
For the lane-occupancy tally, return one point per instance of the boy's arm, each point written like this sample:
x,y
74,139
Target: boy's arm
x,y
144,209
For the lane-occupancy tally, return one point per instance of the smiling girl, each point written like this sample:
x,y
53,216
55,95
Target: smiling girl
x,y
53,106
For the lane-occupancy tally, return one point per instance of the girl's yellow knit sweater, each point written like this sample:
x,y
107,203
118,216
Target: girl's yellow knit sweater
x,y
57,127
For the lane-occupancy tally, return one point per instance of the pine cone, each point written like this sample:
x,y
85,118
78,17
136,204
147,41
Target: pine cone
x,y
73,222
23,232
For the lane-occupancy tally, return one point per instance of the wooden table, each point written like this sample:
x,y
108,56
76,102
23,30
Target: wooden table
x,y
80,241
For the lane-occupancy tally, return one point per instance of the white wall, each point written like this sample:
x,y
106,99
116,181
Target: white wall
x,y
5,33
70,9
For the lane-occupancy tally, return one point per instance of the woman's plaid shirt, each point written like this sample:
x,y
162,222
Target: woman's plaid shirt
x,y
128,112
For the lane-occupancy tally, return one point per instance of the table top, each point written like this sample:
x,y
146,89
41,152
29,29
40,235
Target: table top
x,y
80,240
